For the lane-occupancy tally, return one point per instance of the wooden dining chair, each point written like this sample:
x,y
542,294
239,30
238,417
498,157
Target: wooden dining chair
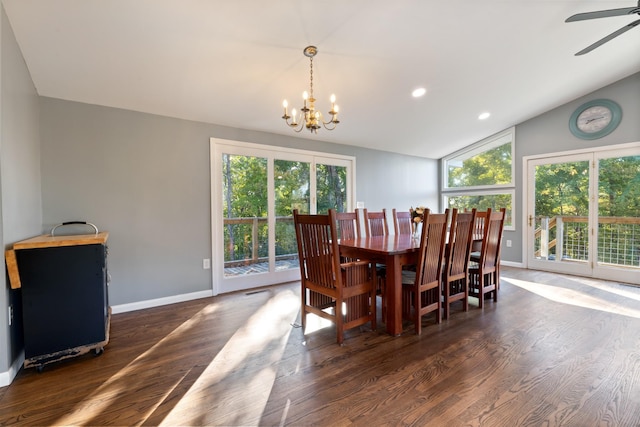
x,y
484,269
421,290
402,222
375,223
347,225
455,277
478,232
343,293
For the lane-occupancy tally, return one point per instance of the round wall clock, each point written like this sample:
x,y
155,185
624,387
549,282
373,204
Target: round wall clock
x,y
595,119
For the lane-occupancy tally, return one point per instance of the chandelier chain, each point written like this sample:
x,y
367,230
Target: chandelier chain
x,y
311,77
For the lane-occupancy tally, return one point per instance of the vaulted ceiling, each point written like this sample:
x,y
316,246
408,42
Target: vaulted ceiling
x,y
233,62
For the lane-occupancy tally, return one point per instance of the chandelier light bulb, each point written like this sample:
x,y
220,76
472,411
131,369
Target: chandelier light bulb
x,y
305,95
333,98
285,104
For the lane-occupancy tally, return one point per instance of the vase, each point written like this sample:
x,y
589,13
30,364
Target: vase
x,y
417,230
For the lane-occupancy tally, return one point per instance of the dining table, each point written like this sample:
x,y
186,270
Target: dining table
x,y
394,251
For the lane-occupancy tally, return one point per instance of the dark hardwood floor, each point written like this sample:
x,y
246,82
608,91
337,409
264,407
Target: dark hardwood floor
x,y
554,350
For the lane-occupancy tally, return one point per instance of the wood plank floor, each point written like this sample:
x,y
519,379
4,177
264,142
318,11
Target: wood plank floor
x,y
555,350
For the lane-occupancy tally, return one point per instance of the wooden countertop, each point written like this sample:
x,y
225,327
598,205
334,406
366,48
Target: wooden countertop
x,y
47,241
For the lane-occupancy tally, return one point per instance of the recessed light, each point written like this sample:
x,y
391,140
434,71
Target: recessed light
x,y
417,93
484,116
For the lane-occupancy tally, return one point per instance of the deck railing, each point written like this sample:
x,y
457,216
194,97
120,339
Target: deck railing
x,y
560,237
566,238
246,240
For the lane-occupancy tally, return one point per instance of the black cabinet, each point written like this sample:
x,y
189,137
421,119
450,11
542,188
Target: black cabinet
x,y
65,303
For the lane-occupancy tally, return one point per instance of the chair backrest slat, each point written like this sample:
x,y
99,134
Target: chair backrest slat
x,y
432,245
375,223
318,249
494,238
402,222
478,230
460,241
347,223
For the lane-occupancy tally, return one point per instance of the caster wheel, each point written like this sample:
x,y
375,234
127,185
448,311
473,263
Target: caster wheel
x,y
98,351
39,368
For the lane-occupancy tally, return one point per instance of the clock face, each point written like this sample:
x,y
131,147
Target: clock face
x,y
594,119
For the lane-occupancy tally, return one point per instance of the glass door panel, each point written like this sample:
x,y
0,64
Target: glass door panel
x,y
331,188
245,230
584,214
618,230
559,221
292,191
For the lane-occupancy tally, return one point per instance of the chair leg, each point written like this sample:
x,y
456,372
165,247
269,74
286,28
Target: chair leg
x,y
303,311
417,318
382,285
374,311
446,303
481,290
465,300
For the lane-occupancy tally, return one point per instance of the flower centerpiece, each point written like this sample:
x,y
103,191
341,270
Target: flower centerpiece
x,y
417,215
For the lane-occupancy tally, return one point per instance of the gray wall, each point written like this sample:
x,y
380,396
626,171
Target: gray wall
x,y
146,180
549,133
21,209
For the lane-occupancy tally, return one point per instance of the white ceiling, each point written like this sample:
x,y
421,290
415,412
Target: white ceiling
x,y
233,62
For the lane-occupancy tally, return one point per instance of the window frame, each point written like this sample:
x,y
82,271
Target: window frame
x,y
477,148
218,146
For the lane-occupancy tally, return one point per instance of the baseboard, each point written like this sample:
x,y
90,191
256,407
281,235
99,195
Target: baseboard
x,y
140,305
512,264
7,377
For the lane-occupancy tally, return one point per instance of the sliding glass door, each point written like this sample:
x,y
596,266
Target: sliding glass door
x,y
583,214
255,189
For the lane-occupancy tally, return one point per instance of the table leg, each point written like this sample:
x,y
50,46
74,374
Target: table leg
x,y
393,294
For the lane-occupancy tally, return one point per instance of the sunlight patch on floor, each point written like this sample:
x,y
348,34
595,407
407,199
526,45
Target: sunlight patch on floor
x,y
100,400
252,352
574,297
315,323
627,293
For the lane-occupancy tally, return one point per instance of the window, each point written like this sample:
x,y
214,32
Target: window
x,y
482,176
254,191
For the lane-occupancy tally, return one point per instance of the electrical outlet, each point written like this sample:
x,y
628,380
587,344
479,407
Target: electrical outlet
x,y
10,315
508,243
206,263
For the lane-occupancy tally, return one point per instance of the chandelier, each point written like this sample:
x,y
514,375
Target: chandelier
x,y
309,117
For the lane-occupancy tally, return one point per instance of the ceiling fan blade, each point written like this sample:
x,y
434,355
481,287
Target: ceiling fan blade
x,y
603,14
608,38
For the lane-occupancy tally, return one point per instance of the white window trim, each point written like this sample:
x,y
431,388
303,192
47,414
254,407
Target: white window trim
x,y
495,140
